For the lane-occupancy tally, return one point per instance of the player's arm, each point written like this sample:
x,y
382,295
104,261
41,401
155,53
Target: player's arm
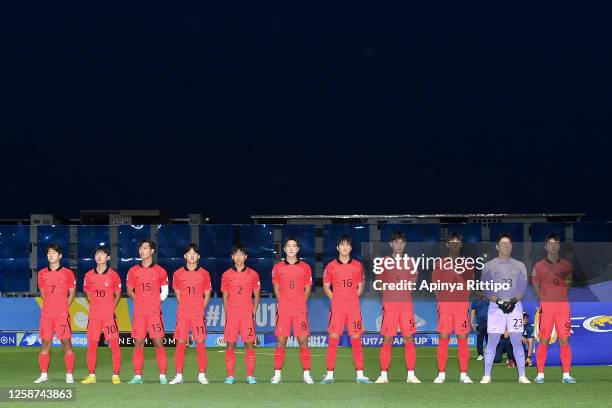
x,y
256,297
130,292
327,290
276,288
130,284
177,295
71,295
307,290
486,277
522,283
360,287
117,298
473,318
206,297
225,295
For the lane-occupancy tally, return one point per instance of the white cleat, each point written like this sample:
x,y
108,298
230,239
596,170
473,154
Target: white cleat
x,y
69,379
42,379
524,380
479,358
276,379
308,379
176,380
202,378
465,380
486,379
439,380
413,380
383,379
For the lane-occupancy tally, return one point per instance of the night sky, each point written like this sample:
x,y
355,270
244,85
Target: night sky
x,y
239,108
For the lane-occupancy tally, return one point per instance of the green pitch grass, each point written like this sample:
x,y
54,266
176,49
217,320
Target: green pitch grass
x,y
19,368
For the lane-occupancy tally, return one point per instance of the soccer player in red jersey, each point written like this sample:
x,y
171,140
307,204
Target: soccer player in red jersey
x,y
343,283
551,279
192,289
57,290
398,310
292,281
240,287
453,307
102,286
147,285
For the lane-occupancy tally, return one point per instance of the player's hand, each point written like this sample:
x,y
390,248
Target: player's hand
x,y
505,306
514,301
528,362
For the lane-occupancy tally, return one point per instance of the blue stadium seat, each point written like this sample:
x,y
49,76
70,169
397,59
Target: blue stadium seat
x,y
15,274
414,232
263,266
305,234
172,240
89,237
514,228
216,240
258,239
540,230
360,233
128,239
47,234
591,232
471,233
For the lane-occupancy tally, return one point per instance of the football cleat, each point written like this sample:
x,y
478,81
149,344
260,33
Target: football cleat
x,y
135,380
486,380
568,380
229,380
89,380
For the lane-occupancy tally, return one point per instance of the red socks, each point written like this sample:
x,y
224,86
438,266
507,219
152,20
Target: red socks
x,y
332,349
410,355
385,356
279,358
179,357
92,351
43,362
566,357
464,354
357,349
442,354
69,360
541,357
249,360
162,361
116,355
138,360
305,358
230,361
202,357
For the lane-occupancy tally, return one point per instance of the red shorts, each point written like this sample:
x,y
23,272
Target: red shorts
x,y
152,324
245,326
184,324
108,326
59,325
352,321
298,322
458,323
560,321
398,315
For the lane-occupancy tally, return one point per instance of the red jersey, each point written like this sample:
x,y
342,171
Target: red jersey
x,y
54,285
101,288
292,280
192,285
344,278
240,286
455,298
405,273
146,282
552,278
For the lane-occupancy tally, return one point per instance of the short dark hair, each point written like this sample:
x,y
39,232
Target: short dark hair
x,y
54,246
455,235
190,247
147,241
345,238
291,238
552,236
504,235
397,235
103,248
239,248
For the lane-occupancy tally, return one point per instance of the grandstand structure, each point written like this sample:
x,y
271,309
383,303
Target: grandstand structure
x,y
22,243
